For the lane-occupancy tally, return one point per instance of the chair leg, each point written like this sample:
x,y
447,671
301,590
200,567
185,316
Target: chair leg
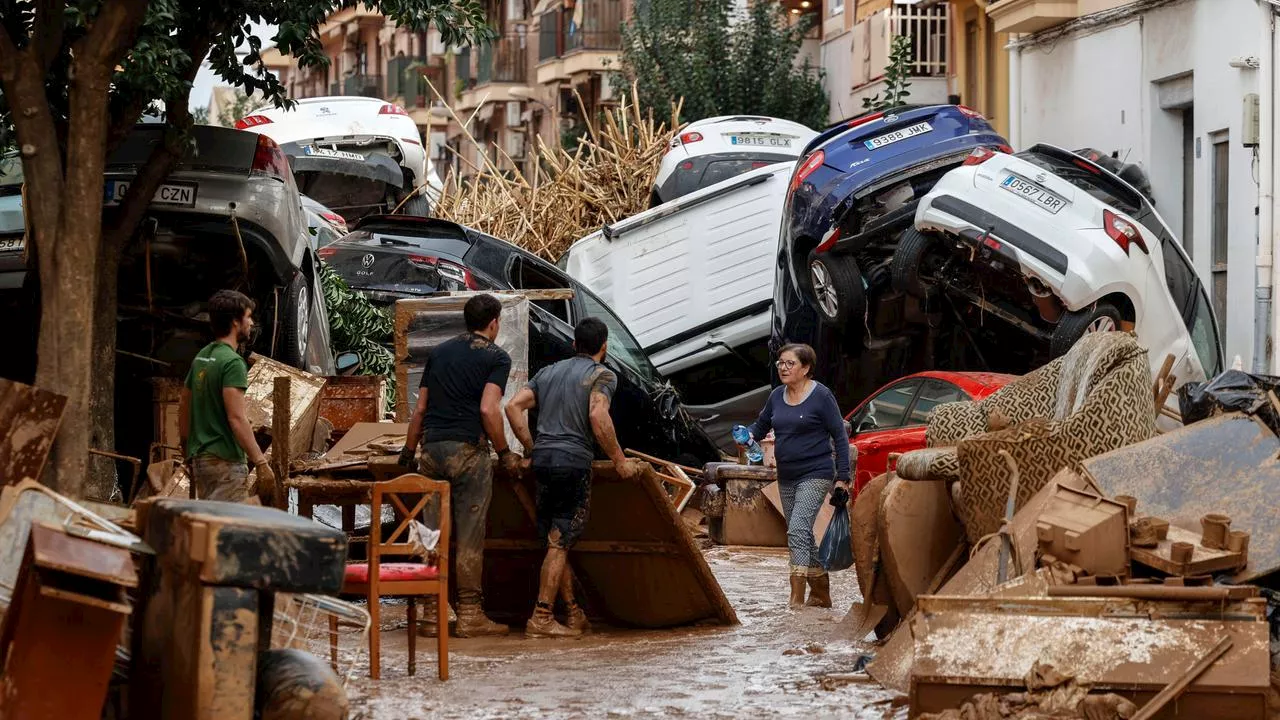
x,y
333,642
375,642
413,635
442,632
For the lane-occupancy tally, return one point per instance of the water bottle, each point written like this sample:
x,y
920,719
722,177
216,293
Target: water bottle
x,y
742,436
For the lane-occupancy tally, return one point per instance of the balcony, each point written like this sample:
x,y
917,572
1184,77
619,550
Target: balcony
x,y
362,85
409,81
1029,16
578,38
502,61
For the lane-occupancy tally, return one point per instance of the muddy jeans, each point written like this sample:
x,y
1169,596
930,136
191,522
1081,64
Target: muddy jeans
x,y
218,479
801,501
469,470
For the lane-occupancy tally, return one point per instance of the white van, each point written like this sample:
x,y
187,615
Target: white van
x,y
693,281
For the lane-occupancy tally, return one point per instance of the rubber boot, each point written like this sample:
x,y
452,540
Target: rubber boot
x,y
427,620
819,591
472,622
543,625
576,619
797,591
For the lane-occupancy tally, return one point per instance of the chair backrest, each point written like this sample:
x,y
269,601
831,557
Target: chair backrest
x,y
399,493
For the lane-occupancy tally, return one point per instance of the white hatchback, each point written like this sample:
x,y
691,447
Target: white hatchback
x,y
1056,245
356,155
715,149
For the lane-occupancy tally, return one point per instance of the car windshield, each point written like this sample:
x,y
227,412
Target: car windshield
x,y
622,345
1101,187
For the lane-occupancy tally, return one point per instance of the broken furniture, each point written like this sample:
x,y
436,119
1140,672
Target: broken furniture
x,y
1202,560
29,421
58,640
205,609
1085,530
1226,464
737,509
375,579
673,477
348,400
1131,647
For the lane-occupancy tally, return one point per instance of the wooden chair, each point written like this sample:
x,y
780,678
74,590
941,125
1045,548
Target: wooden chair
x,y
376,579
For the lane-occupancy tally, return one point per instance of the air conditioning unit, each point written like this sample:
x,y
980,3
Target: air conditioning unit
x,y
515,145
513,113
606,87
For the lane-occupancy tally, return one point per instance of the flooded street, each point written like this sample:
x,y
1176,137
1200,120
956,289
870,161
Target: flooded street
x,y
776,662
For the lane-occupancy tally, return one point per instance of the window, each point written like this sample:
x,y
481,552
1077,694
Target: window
x,y
1218,234
932,394
1099,186
888,409
1204,337
622,346
732,373
837,7
526,275
1179,276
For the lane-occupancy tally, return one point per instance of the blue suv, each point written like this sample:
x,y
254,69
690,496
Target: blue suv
x,y
854,190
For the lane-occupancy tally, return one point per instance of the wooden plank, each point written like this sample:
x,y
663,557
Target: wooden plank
x,y
304,401
1176,688
29,422
281,439
361,434
546,294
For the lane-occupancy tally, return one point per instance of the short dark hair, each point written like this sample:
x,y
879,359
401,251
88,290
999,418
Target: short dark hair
x,y
480,311
225,308
804,354
590,335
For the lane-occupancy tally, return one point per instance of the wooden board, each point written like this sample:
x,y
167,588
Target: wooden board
x,y
361,434
1226,464
918,534
965,646
29,421
304,400
345,401
637,564
1204,561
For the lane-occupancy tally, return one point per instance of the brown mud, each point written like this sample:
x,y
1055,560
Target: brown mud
x,y
777,662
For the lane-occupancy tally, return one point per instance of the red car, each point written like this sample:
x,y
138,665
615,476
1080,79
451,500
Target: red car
x,y
894,418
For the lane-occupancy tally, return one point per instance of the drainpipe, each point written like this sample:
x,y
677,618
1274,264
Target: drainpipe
x,y
1015,96
1262,323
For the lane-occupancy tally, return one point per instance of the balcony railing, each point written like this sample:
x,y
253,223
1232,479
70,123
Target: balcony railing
x,y
589,25
502,61
363,85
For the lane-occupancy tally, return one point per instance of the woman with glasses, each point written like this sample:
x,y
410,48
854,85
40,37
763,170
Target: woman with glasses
x,y
811,447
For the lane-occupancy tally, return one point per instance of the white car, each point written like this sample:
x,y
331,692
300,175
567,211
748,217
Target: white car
x,y
356,155
1054,244
713,150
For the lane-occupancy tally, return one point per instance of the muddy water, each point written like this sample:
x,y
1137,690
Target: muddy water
x,y
777,662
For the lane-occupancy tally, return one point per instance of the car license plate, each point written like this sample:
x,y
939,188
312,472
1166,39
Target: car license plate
x,y
326,152
12,244
183,194
1032,192
876,143
760,140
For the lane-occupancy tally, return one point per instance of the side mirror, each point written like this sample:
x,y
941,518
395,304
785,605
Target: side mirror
x,y
347,363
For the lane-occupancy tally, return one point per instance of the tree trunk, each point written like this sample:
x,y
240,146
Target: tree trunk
x,y
102,478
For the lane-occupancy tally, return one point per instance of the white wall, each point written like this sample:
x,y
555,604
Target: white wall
x,y
1102,90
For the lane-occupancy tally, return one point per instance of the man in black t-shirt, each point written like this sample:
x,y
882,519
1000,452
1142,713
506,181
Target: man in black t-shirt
x,y
459,404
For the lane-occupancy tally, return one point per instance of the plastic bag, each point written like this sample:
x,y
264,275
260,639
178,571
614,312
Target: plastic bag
x,y
836,553
1231,391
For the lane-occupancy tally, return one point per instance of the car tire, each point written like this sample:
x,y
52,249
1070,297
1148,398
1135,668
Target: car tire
x,y
1072,326
837,293
904,268
297,323
417,206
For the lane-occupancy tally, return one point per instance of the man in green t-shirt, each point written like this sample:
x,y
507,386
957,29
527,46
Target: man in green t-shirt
x,y
215,429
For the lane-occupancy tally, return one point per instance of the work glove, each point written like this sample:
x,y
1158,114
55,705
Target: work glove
x,y
266,483
408,459
839,497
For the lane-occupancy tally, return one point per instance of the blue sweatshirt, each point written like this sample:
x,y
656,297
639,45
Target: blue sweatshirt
x,y
805,434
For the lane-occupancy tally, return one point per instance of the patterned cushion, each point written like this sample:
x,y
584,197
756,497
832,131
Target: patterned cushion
x,y
930,464
393,572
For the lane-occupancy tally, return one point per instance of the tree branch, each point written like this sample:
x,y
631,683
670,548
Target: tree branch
x,y
47,34
112,31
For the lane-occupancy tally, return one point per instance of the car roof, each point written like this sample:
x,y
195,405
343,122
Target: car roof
x,y
957,377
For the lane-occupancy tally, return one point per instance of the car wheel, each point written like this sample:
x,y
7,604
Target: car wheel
x,y
1101,317
904,269
297,323
417,206
837,288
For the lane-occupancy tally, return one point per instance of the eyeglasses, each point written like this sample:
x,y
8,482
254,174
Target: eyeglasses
x,y
788,364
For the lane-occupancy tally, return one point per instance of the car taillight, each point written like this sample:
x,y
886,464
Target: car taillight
x,y
457,273
269,159
865,119
390,109
979,156
1124,232
424,262
691,137
337,220
811,163
1086,166
828,240
970,112
328,252
252,121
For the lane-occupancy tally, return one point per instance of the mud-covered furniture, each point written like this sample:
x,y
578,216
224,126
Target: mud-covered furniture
x,y
737,510
206,601
409,495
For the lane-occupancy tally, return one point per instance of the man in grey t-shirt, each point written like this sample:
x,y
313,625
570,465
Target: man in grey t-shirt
x,y
572,397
